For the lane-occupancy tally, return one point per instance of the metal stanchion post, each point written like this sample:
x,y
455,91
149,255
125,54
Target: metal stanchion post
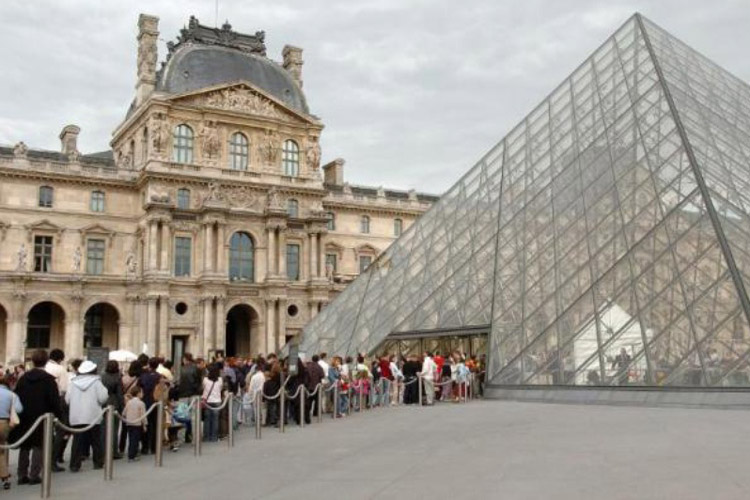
x,y
109,424
398,391
320,403
258,413
197,437
159,433
49,426
335,399
302,409
282,406
230,420
361,396
419,389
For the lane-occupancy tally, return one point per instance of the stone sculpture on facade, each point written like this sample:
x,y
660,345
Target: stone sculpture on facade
x,y
313,155
20,150
22,254
131,264
160,131
273,200
240,99
214,194
210,138
269,150
77,256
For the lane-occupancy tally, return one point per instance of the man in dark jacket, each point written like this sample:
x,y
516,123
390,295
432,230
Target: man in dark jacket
x,y
147,381
190,378
38,393
315,376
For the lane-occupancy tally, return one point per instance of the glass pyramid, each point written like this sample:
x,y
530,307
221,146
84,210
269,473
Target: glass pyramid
x,y
604,241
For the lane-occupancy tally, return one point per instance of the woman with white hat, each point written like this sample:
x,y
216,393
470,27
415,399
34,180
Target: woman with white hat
x,y
86,395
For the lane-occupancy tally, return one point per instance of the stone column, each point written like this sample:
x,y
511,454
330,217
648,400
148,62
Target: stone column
x,y
164,346
16,331
208,254
221,324
207,340
221,251
271,253
73,335
321,256
142,306
166,246
281,336
314,273
313,309
270,325
127,331
151,331
152,245
281,254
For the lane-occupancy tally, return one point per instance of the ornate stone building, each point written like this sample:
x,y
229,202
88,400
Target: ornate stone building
x,y
207,226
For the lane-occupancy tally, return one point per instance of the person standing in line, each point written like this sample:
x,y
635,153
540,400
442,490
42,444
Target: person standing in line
x,y
315,376
271,388
397,377
190,385
129,381
428,378
148,381
327,396
38,393
211,397
8,401
134,411
112,380
56,368
85,397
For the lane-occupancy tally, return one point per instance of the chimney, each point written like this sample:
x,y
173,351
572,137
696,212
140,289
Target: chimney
x,y
293,62
333,172
69,139
148,31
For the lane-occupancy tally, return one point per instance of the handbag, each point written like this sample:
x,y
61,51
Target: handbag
x,y
204,401
13,420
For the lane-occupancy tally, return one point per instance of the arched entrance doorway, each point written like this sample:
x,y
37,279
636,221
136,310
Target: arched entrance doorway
x,y
3,330
101,326
45,327
242,321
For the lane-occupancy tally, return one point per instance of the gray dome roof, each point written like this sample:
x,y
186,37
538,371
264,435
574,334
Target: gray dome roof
x,y
193,67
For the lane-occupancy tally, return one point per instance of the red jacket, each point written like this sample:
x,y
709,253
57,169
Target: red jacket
x,y
385,369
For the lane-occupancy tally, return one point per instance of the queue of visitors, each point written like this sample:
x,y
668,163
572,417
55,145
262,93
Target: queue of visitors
x,y
77,393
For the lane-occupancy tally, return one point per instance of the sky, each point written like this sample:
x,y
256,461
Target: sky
x,y
411,92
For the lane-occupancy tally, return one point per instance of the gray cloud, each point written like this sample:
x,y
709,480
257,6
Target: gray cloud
x,y
411,92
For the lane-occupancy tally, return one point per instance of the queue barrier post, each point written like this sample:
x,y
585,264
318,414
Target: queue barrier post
x,y
258,413
49,426
282,407
419,384
109,429
361,396
230,420
320,403
335,399
197,437
159,431
302,410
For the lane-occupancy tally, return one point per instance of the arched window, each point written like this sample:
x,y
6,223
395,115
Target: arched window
x,y
331,224
238,152
290,158
292,208
241,253
364,224
182,150
97,201
398,227
46,194
183,198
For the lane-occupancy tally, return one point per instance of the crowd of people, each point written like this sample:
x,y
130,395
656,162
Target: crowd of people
x,y
77,392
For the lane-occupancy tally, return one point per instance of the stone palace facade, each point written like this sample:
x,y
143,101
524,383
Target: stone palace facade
x,y
209,226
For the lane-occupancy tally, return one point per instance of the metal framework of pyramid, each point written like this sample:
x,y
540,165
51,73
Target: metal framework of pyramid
x,y
604,241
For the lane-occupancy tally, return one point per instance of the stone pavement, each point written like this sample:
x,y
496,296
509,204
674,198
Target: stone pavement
x,y
486,449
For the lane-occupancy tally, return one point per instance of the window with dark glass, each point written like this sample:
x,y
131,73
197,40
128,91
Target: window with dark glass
x,y
93,332
97,201
364,262
241,253
43,254
364,224
95,256
292,208
182,256
331,262
39,328
331,224
183,198
292,262
238,152
46,194
182,149
398,227
290,158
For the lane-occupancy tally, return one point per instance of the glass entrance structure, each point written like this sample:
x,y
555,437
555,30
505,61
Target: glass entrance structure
x,y
605,241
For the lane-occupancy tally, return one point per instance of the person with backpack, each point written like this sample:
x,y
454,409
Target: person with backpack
x,y
148,382
86,395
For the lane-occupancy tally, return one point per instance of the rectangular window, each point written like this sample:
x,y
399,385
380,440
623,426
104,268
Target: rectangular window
x,y
43,254
364,263
95,256
398,227
39,329
182,256
183,199
292,262
45,196
331,262
97,201
331,221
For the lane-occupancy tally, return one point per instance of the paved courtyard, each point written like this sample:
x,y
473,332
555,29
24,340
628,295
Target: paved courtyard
x,y
486,449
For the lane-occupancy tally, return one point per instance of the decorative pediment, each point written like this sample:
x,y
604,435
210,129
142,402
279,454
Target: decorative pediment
x,y
43,227
96,230
366,248
242,97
